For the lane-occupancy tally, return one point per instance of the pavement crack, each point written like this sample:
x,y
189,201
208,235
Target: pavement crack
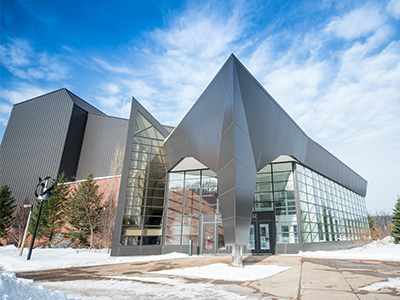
x,y
301,276
354,291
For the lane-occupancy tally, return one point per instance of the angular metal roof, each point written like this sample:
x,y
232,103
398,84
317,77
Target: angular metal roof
x,y
236,128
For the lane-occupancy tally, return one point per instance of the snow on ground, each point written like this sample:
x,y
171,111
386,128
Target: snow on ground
x,y
393,283
227,273
384,250
12,287
157,286
56,258
153,288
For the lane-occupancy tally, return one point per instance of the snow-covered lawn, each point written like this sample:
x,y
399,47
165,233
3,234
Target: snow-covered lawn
x,y
384,250
159,286
55,258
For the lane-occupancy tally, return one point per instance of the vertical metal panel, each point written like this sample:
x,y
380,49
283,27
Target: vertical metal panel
x,y
73,143
105,138
33,142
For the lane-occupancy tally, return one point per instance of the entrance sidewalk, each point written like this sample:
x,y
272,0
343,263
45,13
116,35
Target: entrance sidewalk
x,y
306,279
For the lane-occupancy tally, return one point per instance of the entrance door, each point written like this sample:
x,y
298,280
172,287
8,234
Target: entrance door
x,y
265,242
208,238
213,238
260,240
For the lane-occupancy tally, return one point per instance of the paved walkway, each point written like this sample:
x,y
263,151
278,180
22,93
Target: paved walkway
x,y
307,279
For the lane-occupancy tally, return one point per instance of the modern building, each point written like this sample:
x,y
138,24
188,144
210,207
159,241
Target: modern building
x,y
54,133
236,175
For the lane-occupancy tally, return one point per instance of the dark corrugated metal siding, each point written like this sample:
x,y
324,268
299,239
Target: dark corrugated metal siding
x,y
105,138
73,142
33,142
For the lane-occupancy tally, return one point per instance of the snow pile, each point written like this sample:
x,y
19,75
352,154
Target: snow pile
x,y
384,250
227,273
154,288
56,258
392,283
12,287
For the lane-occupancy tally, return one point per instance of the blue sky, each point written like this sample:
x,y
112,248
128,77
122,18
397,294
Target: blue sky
x,y
334,66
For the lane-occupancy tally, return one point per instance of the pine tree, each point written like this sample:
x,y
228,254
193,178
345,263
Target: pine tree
x,y
371,223
84,211
396,222
7,207
372,227
52,216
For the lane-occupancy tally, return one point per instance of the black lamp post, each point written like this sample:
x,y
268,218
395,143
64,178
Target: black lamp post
x,y
43,190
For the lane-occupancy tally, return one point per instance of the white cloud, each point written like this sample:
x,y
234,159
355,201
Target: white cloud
x,y
21,59
393,8
18,53
112,68
5,108
347,99
357,23
178,63
22,92
111,88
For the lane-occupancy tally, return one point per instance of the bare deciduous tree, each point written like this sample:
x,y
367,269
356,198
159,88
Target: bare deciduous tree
x,y
21,214
106,227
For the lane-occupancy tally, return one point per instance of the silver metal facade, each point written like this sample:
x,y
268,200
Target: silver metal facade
x,y
236,128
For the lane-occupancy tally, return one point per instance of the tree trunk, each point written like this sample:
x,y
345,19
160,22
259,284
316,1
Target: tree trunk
x,y
91,237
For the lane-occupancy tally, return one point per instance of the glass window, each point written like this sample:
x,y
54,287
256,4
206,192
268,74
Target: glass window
x,y
301,178
187,238
251,245
264,206
266,169
175,202
281,167
263,187
263,197
300,168
285,176
285,233
263,177
307,237
172,240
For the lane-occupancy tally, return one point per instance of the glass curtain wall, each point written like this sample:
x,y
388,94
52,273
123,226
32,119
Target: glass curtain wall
x,y
275,191
329,211
191,194
144,202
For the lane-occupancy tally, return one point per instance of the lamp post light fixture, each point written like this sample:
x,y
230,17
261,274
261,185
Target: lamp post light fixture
x,y
30,206
43,190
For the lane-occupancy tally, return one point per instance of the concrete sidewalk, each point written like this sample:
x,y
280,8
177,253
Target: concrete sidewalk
x,y
307,279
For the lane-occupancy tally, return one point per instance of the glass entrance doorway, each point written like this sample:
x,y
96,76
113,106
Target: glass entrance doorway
x,y
262,234
213,238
